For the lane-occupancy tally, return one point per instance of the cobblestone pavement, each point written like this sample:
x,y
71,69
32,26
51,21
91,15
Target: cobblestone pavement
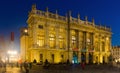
x,y
67,69
77,69
14,70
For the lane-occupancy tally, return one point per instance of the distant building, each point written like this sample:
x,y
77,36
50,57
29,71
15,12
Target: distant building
x,y
61,38
2,48
8,52
116,53
2,54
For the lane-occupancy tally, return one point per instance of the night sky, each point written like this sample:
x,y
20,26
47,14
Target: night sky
x,y
14,14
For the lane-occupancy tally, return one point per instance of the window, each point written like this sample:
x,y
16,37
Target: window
x,y
91,38
97,46
40,26
84,40
41,58
61,42
40,40
52,40
74,41
52,56
103,46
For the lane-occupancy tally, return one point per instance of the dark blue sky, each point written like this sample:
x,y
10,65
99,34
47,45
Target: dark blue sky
x,y
14,13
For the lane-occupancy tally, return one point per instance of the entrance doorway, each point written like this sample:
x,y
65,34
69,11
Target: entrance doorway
x,y
52,58
103,59
41,58
62,58
90,58
83,57
97,60
75,57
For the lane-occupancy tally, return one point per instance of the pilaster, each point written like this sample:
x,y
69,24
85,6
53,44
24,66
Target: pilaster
x,y
57,36
79,56
87,57
46,35
34,33
84,40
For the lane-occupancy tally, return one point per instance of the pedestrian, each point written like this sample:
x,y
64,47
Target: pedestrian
x,y
26,66
20,64
83,65
4,67
17,64
11,65
46,65
30,65
68,62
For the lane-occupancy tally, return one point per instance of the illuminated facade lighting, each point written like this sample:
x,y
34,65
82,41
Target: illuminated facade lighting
x,y
48,39
115,53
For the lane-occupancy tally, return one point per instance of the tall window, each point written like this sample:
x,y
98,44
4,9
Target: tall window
x,y
52,40
40,40
91,38
40,26
84,40
103,46
81,40
74,41
96,46
41,58
61,42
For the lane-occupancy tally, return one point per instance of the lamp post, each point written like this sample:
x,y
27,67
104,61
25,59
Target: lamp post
x,y
68,33
99,46
25,32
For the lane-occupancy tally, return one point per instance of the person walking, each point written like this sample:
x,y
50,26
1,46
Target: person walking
x,y
20,64
26,66
30,65
83,65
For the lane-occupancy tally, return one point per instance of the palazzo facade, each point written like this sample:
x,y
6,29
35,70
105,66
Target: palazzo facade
x,y
61,38
115,52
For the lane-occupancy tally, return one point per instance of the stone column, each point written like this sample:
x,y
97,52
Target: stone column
x,y
84,40
35,33
57,36
46,36
87,47
87,57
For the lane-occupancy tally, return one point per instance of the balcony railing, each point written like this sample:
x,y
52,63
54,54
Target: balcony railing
x,y
64,19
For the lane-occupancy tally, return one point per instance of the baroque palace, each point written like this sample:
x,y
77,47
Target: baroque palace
x,y
62,38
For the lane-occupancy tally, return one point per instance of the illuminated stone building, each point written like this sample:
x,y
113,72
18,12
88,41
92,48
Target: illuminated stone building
x,y
61,38
116,53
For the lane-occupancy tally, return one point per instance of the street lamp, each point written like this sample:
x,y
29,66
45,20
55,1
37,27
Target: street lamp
x,y
68,34
25,32
99,47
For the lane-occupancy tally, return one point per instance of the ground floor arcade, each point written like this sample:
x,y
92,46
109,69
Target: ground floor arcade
x,y
61,56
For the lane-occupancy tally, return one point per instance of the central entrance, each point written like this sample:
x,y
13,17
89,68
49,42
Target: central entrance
x,y
90,58
75,57
83,57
